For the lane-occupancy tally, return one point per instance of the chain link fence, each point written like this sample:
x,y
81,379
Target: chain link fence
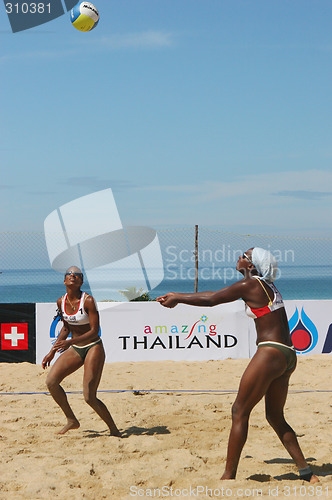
x,y
305,264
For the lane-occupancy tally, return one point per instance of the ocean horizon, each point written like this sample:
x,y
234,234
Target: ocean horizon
x,y
46,285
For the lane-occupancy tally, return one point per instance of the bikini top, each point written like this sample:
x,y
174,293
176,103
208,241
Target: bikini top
x,y
80,317
273,305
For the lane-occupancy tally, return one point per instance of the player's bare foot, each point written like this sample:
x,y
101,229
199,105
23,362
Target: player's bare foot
x,y
227,476
71,424
314,479
115,432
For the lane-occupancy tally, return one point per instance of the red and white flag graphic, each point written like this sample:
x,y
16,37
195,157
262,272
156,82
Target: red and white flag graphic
x,y
14,336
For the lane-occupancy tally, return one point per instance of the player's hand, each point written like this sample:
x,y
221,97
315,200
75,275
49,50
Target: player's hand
x,y
61,345
169,300
47,359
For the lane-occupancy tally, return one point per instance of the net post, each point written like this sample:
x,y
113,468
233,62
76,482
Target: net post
x,y
196,258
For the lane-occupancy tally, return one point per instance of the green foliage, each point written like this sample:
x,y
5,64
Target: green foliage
x,y
134,295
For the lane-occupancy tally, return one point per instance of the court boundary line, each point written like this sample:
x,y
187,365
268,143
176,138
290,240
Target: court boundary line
x,y
161,391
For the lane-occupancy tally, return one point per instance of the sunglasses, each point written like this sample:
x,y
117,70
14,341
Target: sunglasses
x,y
77,275
245,256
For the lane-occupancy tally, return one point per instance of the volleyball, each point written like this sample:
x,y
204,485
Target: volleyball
x,y
84,16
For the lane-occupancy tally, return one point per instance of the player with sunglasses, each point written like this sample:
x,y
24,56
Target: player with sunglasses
x,y
80,317
268,372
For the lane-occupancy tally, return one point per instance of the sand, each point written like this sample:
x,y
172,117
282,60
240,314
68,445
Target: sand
x,y
175,444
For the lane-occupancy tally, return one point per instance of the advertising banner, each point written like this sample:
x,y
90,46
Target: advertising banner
x,y
146,331
310,324
150,332
18,335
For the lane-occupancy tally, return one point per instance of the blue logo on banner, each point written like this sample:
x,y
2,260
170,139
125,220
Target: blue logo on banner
x,y
56,327
303,332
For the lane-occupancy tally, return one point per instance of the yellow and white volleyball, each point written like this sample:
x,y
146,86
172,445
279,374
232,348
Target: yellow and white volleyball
x,y
84,16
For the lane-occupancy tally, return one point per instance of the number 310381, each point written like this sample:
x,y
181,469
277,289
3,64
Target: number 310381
x,y
28,8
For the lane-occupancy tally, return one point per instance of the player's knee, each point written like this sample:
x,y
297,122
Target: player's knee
x,y
90,398
238,412
51,382
276,420
234,410
270,418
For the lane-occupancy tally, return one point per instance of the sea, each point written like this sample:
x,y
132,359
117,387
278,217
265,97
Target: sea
x,y
46,285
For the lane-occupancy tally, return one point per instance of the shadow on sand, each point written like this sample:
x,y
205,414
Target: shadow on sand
x,y
318,470
131,431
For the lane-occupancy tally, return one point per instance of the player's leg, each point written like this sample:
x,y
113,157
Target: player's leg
x,y
265,366
67,363
93,367
275,400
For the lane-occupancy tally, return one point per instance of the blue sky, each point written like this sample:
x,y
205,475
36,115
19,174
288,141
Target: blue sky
x,y
209,112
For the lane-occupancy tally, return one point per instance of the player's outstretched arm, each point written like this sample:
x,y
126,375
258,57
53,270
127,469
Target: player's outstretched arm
x,y
230,293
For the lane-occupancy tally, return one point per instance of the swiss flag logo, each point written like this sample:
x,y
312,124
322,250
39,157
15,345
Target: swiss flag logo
x,y
14,336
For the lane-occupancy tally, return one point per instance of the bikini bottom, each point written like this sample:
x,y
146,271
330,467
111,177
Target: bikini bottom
x,y
287,350
83,350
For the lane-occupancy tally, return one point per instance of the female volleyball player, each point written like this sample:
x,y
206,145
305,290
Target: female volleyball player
x,y
80,317
270,368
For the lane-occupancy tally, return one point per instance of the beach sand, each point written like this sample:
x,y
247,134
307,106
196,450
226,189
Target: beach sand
x,y
175,444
